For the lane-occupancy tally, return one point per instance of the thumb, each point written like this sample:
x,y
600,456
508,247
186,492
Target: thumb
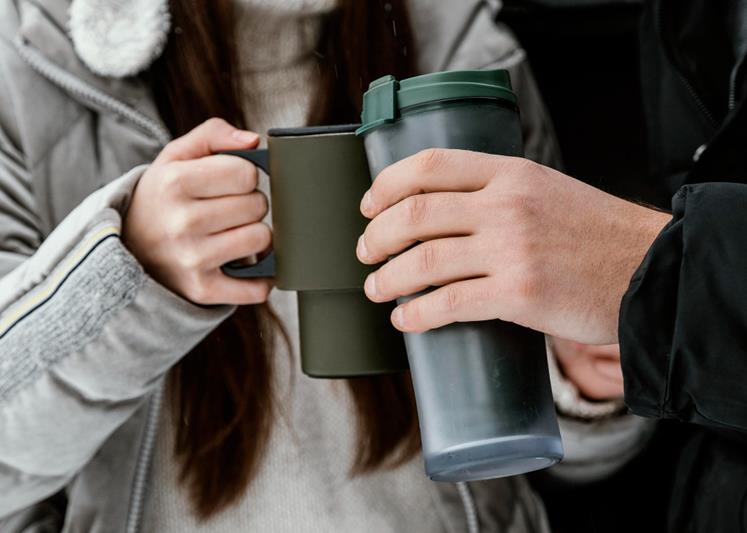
x,y
213,135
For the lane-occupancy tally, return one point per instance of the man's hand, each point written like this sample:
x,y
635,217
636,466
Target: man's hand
x,y
505,238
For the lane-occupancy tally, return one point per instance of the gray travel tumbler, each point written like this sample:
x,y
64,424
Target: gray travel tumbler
x,y
482,388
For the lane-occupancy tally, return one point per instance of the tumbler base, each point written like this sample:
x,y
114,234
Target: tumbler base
x,y
494,458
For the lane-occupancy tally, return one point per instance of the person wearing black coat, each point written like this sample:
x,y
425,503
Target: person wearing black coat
x,y
683,321
550,253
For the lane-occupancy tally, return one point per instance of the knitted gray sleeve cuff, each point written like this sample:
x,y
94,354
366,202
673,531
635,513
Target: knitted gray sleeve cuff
x,y
568,399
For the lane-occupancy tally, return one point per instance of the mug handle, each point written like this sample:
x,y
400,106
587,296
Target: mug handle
x,y
264,268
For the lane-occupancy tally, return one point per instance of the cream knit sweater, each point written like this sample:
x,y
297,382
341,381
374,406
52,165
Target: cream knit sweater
x,y
303,485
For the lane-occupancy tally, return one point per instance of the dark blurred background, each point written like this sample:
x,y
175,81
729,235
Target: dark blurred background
x,y
584,54
585,57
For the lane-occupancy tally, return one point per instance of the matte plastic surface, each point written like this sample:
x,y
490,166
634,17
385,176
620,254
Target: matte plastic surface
x,y
343,334
316,185
482,388
317,179
387,99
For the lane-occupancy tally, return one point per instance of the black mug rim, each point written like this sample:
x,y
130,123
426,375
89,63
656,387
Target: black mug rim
x,y
313,130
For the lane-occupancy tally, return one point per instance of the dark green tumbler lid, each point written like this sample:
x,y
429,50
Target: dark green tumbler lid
x,y
387,99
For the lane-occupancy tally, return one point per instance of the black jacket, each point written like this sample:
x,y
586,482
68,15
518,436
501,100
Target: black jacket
x,y
683,321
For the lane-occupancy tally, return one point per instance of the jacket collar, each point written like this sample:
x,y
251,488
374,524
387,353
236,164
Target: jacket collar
x,y
119,38
112,38
44,27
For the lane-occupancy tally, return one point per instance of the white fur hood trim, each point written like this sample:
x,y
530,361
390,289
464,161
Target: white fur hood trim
x,y
119,38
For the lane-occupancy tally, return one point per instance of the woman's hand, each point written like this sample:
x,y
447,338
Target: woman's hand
x,y
193,211
594,370
505,238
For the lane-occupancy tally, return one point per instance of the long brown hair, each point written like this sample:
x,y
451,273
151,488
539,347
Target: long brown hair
x,y
221,393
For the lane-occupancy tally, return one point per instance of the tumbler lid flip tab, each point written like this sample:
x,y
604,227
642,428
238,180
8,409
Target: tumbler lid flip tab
x,y
387,98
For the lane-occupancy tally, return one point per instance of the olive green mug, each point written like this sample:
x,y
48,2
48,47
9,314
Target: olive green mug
x,y
318,176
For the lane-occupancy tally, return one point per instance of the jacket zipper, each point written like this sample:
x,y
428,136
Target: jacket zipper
x,y
733,82
73,85
142,471
470,510
696,97
698,101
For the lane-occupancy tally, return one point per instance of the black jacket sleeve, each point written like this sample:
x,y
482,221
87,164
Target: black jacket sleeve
x,y
683,320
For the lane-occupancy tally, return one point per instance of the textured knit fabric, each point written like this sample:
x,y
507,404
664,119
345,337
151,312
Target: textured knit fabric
x,y
304,484
104,283
277,40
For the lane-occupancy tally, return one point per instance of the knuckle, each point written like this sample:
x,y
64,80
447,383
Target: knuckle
x,y
416,209
257,205
214,123
522,165
180,224
172,149
262,237
528,284
264,203
371,239
521,208
484,202
249,176
514,171
412,313
173,227
428,257
451,299
191,260
430,159
383,184
383,286
172,178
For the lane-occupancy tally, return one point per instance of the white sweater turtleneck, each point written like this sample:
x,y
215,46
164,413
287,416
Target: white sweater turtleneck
x,y
277,40
304,483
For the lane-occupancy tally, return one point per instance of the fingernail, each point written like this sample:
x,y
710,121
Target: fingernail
x,y
398,317
370,285
244,136
367,203
362,250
